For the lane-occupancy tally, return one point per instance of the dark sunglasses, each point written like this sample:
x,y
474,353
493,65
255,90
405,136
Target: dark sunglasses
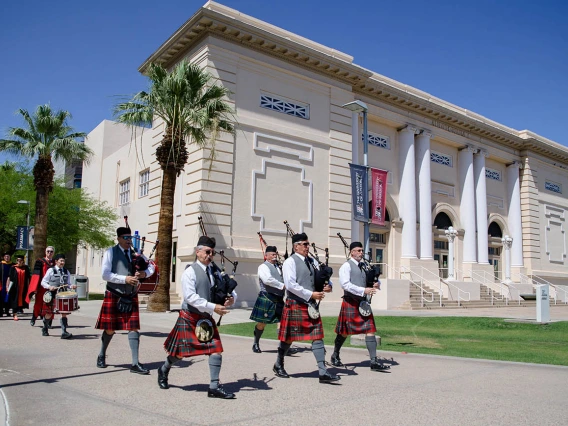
x,y
208,252
305,244
49,251
126,237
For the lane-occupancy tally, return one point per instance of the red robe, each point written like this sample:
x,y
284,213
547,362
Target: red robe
x,y
40,268
20,277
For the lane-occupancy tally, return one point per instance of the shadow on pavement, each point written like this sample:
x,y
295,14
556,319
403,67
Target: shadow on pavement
x,y
58,379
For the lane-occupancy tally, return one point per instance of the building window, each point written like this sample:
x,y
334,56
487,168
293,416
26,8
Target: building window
x,y
494,251
440,245
443,159
377,238
492,174
553,187
124,192
285,106
377,140
144,183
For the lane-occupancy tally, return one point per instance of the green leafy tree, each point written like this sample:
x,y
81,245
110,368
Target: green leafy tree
x,y
15,184
46,137
194,111
74,218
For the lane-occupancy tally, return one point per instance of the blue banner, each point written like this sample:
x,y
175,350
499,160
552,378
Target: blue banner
x,y
22,241
360,192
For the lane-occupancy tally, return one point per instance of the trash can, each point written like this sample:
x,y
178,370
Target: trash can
x,y
82,283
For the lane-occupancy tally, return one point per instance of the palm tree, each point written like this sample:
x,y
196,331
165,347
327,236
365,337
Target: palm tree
x,y
194,111
47,137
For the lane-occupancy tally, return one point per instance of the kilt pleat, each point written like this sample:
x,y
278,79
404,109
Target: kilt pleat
x,y
265,308
350,321
297,325
182,341
111,319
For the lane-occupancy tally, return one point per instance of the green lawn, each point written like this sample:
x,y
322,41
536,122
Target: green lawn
x,y
486,338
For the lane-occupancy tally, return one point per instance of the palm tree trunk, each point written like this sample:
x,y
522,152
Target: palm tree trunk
x,y
40,224
160,300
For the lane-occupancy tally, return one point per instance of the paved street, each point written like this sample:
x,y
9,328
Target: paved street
x,y
48,381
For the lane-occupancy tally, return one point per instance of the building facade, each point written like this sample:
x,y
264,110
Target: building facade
x,y
503,191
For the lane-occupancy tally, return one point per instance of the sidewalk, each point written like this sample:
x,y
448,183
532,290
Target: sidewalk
x,y
52,381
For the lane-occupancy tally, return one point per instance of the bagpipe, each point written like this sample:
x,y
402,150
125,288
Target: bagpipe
x,y
224,284
323,272
140,263
372,273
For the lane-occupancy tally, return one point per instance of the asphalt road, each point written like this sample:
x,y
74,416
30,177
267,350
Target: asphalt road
x,y
49,381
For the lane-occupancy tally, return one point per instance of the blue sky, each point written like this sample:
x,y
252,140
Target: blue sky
x,y
506,60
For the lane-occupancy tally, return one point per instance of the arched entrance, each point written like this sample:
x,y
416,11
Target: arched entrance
x,y
442,222
495,247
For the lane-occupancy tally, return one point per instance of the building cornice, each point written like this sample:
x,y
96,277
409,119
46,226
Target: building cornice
x,y
228,24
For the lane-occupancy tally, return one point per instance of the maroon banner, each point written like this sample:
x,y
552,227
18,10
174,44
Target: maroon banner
x,y
379,197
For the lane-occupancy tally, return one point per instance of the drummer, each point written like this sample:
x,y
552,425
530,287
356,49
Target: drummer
x,y
54,278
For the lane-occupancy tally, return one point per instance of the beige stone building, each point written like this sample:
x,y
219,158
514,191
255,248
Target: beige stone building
x,y
504,191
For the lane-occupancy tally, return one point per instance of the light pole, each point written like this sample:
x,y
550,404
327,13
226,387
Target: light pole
x,y
358,106
28,230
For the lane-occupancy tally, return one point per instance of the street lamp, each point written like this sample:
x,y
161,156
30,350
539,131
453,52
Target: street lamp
x,y
359,106
28,229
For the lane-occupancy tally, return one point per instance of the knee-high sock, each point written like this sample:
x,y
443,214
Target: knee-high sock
x,y
215,361
63,322
257,335
134,342
371,342
170,360
339,340
319,353
105,341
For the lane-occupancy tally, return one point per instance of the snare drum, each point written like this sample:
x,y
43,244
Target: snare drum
x,y
66,302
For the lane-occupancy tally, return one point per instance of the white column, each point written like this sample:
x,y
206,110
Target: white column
x,y
407,193
424,194
355,139
451,234
515,227
481,207
507,243
467,204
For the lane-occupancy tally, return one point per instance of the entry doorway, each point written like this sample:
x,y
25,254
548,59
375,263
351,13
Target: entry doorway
x,y
441,255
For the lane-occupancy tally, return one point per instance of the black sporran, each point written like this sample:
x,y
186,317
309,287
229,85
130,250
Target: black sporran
x,y
125,305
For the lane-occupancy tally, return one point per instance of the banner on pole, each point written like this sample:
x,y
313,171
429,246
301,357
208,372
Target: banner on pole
x,y
359,190
22,241
379,197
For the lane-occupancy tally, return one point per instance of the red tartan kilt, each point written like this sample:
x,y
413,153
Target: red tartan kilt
x,y
111,319
182,341
350,321
48,309
297,325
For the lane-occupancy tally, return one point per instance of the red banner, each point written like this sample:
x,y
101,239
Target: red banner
x,y
379,197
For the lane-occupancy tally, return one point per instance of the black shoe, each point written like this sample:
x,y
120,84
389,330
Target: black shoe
x,y
291,351
101,361
280,372
376,365
256,349
139,369
32,322
220,393
328,378
162,379
66,335
336,361
44,331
